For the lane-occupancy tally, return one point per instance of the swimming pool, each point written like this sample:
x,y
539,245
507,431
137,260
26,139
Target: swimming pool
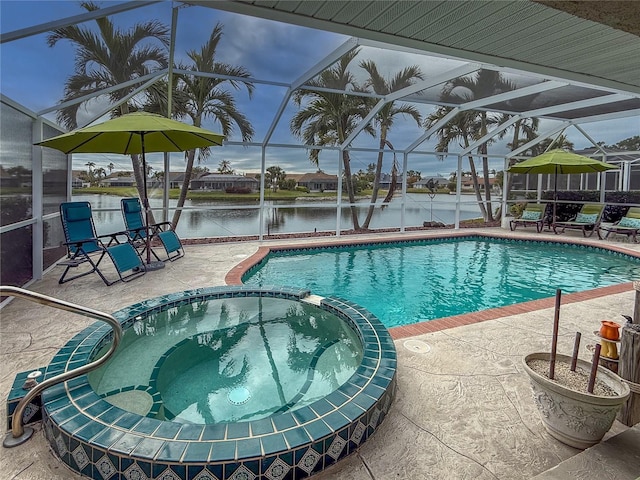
x,y
414,281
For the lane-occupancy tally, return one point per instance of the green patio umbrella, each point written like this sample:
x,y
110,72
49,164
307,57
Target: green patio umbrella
x,y
135,133
558,162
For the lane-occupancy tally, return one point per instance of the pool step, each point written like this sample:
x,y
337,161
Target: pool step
x,y
618,457
33,411
313,299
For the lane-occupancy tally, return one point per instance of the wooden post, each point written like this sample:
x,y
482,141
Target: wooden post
x,y
554,339
629,367
576,350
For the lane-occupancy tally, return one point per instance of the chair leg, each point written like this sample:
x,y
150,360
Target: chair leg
x,y
78,260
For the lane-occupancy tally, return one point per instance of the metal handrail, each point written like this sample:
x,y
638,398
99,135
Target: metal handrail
x,y
20,434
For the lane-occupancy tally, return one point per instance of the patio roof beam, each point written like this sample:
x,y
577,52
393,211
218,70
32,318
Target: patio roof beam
x,y
607,116
530,90
196,73
341,92
538,139
465,69
434,128
565,107
68,21
154,75
491,134
326,62
124,99
416,87
517,93
588,137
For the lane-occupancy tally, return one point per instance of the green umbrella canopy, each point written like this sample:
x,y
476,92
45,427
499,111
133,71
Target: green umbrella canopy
x,y
135,133
125,135
560,162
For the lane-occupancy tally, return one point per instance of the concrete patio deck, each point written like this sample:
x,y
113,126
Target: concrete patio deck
x,y
463,409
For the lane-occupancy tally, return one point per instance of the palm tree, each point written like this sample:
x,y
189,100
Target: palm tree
x,y
328,117
207,97
107,58
457,129
224,167
524,130
470,126
90,166
385,117
561,141
100,173
110,167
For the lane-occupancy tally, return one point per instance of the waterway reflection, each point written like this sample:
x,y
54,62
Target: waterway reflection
x,y
202,219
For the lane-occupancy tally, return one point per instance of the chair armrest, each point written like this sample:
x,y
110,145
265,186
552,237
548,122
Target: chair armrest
x,y
79,243
160,226
113,237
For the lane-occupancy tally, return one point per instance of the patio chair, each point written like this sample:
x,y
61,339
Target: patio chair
x,y
587,220
136,228
628,225
532,215
85,247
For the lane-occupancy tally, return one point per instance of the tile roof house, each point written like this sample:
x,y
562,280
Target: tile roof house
x,y
318,181
224,182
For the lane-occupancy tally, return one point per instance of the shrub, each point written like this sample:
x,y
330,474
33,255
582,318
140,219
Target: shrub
x,y
241,190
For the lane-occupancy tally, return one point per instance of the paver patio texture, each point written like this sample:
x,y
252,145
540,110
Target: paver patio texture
x,y
463,409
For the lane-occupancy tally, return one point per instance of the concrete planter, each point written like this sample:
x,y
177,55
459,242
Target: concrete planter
x,y
578,419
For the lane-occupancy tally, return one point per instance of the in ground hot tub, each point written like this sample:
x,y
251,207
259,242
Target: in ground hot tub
x,y
223,383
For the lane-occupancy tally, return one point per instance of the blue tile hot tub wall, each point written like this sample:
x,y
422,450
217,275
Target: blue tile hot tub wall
x,y
104,442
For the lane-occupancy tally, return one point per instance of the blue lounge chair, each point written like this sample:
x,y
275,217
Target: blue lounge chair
x,y
85,247
135,225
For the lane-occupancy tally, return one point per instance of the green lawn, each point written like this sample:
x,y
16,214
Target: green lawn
x,y
174,193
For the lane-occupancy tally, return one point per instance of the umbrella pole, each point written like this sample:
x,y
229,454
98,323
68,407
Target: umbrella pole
x,y
555,196
145,202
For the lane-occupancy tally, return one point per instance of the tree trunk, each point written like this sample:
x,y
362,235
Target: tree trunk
x,y
376,184
392,185
476,187
138,174
184,189
488,213
350,190
487,186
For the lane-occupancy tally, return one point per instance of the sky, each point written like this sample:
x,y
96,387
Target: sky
x,y
33,74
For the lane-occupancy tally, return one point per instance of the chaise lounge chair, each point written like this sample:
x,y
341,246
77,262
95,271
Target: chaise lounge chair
x,y
628,225
532,215
135,224
85,247
587,220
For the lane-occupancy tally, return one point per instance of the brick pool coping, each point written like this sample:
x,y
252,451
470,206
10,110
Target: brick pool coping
x,y
234,277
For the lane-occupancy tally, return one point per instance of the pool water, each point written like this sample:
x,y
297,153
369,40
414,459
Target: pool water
x,y
408,282
229,360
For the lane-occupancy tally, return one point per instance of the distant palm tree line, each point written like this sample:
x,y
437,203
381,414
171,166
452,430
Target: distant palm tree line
x,y
109,56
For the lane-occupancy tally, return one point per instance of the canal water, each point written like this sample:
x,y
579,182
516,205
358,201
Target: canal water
x,y
201,219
